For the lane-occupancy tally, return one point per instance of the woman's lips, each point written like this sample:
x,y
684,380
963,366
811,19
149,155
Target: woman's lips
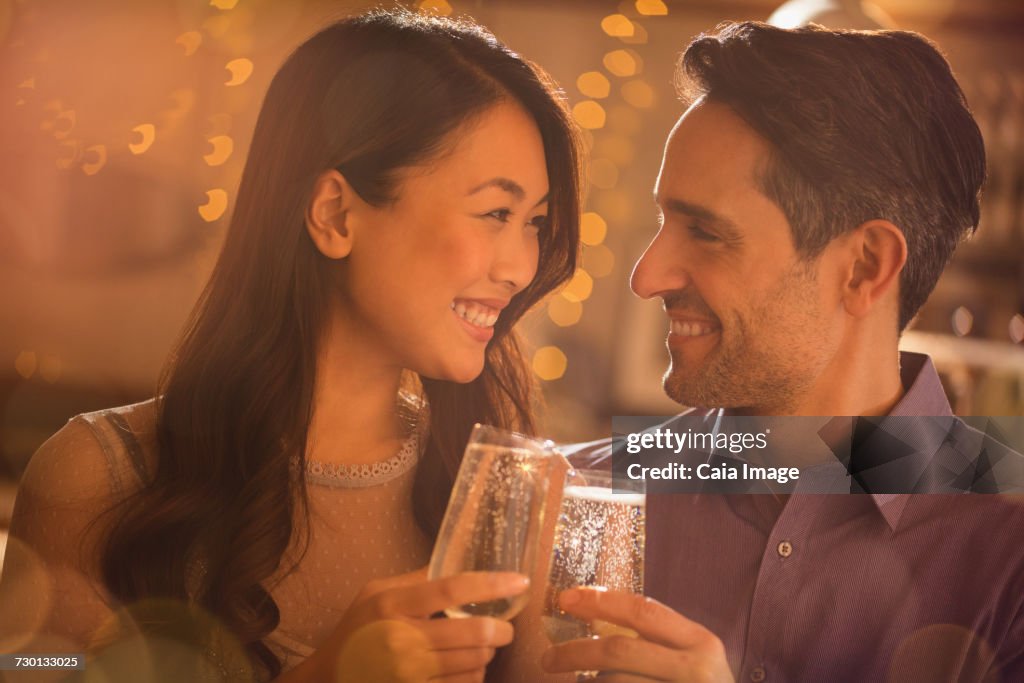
x,y
478,315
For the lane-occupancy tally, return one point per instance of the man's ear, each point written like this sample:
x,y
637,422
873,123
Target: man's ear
x,y
329,219
877,252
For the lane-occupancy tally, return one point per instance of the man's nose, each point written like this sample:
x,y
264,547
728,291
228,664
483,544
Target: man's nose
x,y
661,268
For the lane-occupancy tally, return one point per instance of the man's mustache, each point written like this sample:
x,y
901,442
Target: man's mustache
x,y
687,301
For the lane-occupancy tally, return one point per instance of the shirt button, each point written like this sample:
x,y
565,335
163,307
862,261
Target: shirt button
x,y
785,550
758,674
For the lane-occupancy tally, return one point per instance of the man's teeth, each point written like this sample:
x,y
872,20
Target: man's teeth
x,y
475,314
691,329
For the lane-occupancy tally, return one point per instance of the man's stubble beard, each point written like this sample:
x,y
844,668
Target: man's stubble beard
x,y
767,362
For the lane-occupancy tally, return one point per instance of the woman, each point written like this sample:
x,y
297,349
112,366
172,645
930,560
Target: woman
x,y
411,190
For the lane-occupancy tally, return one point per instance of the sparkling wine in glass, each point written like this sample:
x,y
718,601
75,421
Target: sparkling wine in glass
x,y
599,542
494,514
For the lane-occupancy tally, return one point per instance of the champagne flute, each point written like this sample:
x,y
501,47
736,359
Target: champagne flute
x,y
599,542
494,514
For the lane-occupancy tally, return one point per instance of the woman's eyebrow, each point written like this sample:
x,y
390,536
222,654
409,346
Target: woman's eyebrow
x,y
508,185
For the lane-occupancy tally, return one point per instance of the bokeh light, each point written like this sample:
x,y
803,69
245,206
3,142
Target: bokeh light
x,y
594,84
638,37
222,146
618,26
962,321
26,363
190,42
1017,328
240,70
580,287
639,94
50,367
593,228
618,148
599,260
589,114
216,205
651,8
439,7
564,312
549,363
147,134
623,63
94,159
26,592
614,205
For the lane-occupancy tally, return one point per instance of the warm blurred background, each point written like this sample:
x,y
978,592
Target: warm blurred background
x,y
124,126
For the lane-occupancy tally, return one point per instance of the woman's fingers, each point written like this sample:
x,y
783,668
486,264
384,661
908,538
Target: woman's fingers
x,y
467,677
450,634
451,662
419,600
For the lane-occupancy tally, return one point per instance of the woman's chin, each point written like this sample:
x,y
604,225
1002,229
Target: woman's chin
x,y
463,374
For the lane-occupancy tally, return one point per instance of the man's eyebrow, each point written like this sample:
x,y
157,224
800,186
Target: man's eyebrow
x,y
510,186
724,225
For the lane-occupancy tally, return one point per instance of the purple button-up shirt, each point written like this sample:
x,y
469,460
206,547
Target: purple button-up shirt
x,y
878,587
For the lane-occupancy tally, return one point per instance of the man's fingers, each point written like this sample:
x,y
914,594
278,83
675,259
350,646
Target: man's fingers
x,y
648,617
451,634
425,598
619,654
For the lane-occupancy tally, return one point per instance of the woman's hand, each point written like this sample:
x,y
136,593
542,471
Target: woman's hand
x,y
387,635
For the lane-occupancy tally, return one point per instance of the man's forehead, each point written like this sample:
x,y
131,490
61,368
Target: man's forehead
x,y
712,144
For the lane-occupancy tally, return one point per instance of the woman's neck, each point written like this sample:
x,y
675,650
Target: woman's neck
x,y
355,417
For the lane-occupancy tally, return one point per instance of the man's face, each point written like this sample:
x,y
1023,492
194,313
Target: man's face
x,y
751,324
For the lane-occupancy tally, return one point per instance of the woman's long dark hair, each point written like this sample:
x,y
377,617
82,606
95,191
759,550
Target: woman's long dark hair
x,y
369,96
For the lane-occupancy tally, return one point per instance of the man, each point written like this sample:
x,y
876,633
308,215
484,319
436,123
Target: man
x,y
811,196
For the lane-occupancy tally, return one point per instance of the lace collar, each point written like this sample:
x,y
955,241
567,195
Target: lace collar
x,y
414,412
370,474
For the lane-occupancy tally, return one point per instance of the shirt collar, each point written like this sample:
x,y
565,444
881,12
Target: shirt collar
x,y
923,397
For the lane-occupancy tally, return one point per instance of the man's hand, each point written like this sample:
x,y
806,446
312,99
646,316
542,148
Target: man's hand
x,y
670,647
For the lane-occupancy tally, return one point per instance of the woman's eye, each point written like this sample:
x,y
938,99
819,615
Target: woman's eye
x,y
701,234
499,215
539,223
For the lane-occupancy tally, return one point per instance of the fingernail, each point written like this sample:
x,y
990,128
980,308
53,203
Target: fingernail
x,y
521,581
570,598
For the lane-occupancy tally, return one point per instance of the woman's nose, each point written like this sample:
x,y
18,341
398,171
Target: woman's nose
x,y
516,260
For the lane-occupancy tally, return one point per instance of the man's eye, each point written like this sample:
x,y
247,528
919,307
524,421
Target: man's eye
x,y
701,234
499,215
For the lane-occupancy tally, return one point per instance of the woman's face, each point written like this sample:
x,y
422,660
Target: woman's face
x,y
430,274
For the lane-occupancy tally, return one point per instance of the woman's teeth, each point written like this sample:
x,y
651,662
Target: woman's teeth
x,y
691,329
475,314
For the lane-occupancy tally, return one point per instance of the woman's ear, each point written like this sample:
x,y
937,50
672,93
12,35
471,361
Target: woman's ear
x,y
878,251
328,216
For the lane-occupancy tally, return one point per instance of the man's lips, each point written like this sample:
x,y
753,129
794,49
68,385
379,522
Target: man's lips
x,y
682,325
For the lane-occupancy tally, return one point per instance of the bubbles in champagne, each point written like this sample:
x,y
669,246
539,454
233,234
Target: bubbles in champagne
x,y
493,520
599,542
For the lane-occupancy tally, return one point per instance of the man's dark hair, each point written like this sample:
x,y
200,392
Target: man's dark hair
x,y
863,125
